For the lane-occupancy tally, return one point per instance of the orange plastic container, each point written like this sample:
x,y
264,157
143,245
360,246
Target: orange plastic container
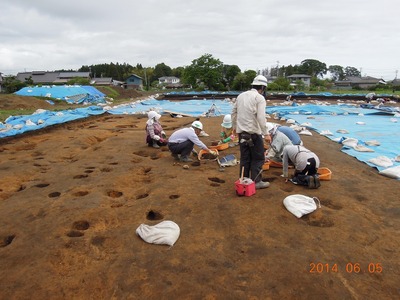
x,y
275,164
243,189
266,165
219,147
205,155
324,174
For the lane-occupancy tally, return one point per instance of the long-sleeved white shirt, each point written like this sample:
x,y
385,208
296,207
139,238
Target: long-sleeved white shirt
x,y
185,134
248,113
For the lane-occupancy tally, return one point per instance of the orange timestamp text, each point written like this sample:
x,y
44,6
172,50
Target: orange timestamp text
x,y
350,267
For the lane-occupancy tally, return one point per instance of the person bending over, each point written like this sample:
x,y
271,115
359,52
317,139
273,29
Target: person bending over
x,y
306,163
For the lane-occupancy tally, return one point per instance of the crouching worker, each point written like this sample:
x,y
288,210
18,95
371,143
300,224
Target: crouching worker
x,y
182,141
226,134
306,164
155,135
278,142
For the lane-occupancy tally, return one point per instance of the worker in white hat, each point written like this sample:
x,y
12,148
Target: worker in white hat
x,y
248,121
182,141
155,135
226,134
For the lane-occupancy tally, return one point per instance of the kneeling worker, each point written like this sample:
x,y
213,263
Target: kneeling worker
x,y
305,162
182,141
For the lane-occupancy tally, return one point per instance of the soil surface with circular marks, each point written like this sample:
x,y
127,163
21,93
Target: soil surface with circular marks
x,y
72,196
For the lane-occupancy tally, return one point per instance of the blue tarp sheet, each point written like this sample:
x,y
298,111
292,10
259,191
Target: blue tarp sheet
x,y
71,94
194,108
382,125
19,124
378,124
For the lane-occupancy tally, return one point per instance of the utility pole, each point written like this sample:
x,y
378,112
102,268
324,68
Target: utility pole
x,y
277,68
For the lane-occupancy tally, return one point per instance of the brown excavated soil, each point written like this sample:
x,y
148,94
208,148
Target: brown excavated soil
x,y
72,196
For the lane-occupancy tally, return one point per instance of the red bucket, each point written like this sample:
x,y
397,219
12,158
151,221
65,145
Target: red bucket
x,y
245,188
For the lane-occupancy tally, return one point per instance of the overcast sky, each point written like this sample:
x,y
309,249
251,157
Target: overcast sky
x,y
253,34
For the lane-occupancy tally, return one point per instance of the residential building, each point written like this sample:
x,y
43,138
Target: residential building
x,y
351,82
168,80
102,81
306,79
134,82
44,77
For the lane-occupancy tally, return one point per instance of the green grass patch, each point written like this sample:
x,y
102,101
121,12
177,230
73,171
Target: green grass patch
x,y
4,114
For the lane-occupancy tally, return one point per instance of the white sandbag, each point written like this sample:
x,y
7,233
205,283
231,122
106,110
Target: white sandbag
x,y
382,161
326,132
166,232
361,148
343,131
372,143
350,142
300,205
393,172
305,132
29,123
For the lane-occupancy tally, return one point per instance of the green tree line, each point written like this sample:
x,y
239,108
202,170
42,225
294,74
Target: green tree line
x,y
210,73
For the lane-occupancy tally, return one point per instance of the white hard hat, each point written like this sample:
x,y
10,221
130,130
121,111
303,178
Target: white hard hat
x,y
260,80
227,122
197,124
153,114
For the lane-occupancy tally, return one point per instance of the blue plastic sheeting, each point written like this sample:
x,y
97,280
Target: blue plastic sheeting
x,y
384,128
299,94
194,108
71,94
379,126
19,124
203,93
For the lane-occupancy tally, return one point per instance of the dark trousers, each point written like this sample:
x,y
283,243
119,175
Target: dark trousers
x,y
184,148
252,156
310,169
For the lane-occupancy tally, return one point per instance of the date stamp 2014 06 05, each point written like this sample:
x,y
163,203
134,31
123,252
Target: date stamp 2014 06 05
x,y
350,267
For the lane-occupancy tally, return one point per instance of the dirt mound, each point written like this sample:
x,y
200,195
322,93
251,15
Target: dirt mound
x,y
11,102
123,93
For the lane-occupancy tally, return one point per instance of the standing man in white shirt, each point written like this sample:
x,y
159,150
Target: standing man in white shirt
x,y
248,120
